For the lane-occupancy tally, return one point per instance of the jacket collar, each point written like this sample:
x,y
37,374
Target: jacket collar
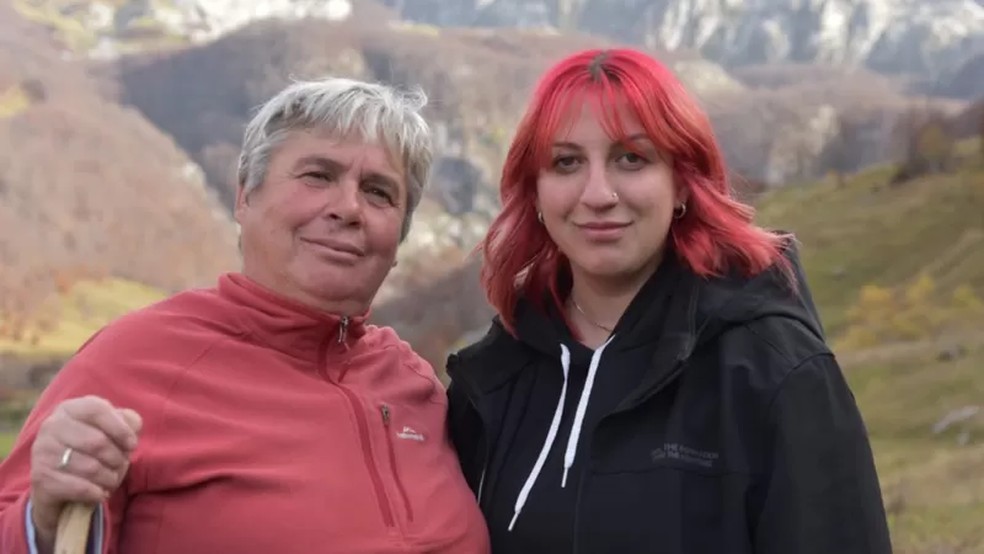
x,y
286,325
698,310
497,358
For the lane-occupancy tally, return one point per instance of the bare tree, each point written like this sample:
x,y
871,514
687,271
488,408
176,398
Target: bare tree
x,y
926,144
841,155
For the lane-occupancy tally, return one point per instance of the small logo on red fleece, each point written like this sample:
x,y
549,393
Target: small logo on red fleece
x,y
409,434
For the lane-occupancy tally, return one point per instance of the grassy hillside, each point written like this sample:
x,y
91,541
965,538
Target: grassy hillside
x,y
76,315
6,441
874,254
932,482
869,233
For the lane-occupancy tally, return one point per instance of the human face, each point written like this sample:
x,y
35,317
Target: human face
x,y
606,206
324,226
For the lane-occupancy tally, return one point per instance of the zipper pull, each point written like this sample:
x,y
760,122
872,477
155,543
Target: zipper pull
x,y
343,329
386,414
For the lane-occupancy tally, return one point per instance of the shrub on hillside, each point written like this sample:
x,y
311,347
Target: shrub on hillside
x,y
926,144
912,312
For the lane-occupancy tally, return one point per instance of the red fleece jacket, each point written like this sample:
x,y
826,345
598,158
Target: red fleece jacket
x,y
268,427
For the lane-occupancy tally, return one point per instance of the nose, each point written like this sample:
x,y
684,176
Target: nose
x,y
599,192
344,203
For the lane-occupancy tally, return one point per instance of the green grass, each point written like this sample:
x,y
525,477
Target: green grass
x,y
6,442
932,484
87,307
868,233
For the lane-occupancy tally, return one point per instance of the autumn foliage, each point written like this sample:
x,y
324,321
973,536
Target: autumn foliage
x,y
433,314
916,311
90,189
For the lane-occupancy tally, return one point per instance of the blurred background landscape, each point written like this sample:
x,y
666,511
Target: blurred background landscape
x,y
857,124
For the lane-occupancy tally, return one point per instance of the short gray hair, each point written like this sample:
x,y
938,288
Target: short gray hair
x,y
372,111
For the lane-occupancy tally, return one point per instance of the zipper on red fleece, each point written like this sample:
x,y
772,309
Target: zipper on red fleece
x,y
377,480
392,457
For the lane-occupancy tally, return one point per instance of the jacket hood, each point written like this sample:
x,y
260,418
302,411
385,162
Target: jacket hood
x,y
675,307
777,292
676,302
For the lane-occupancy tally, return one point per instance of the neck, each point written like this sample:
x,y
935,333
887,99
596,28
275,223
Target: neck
x,y
604,299
297,295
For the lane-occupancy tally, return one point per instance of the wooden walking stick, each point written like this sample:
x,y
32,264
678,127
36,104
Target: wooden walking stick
x,y
73,528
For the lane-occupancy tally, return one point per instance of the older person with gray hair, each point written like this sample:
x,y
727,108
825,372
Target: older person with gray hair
x,y
265,414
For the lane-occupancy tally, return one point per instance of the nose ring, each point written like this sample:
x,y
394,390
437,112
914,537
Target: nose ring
x,y
615,196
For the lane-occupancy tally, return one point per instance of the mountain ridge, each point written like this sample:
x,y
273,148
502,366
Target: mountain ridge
x,y
928,39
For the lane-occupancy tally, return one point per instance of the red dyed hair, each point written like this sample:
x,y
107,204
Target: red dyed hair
x,y
716,235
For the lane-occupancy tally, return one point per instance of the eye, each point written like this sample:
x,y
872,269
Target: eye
x,y
631,161
379,194
565,164
318,176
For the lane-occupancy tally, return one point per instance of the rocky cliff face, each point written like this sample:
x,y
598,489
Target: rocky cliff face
x,y
919,36
483,106
930,39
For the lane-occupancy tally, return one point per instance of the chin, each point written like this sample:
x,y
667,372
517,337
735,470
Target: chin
x,y
607,268
343,282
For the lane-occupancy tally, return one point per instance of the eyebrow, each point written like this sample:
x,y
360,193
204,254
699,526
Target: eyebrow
x,y
319,161
631,138
324,162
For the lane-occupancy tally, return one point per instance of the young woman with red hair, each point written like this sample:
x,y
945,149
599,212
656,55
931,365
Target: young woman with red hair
x,y
657,378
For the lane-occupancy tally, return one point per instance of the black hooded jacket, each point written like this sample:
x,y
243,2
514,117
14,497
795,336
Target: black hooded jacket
x,y
718,421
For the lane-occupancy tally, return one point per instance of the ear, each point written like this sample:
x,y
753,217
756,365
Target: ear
x,y
242,204
681,193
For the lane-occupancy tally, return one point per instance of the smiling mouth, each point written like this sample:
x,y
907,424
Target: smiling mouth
x,y
602,226
602,232
336,246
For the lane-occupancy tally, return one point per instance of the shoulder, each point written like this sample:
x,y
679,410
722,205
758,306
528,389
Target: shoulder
x,y
766,365
495,343
781,339
135,359
756,358
815,386
177,329
385,338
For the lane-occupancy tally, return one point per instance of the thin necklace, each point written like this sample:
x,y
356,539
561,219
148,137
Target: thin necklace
x,y
588,319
